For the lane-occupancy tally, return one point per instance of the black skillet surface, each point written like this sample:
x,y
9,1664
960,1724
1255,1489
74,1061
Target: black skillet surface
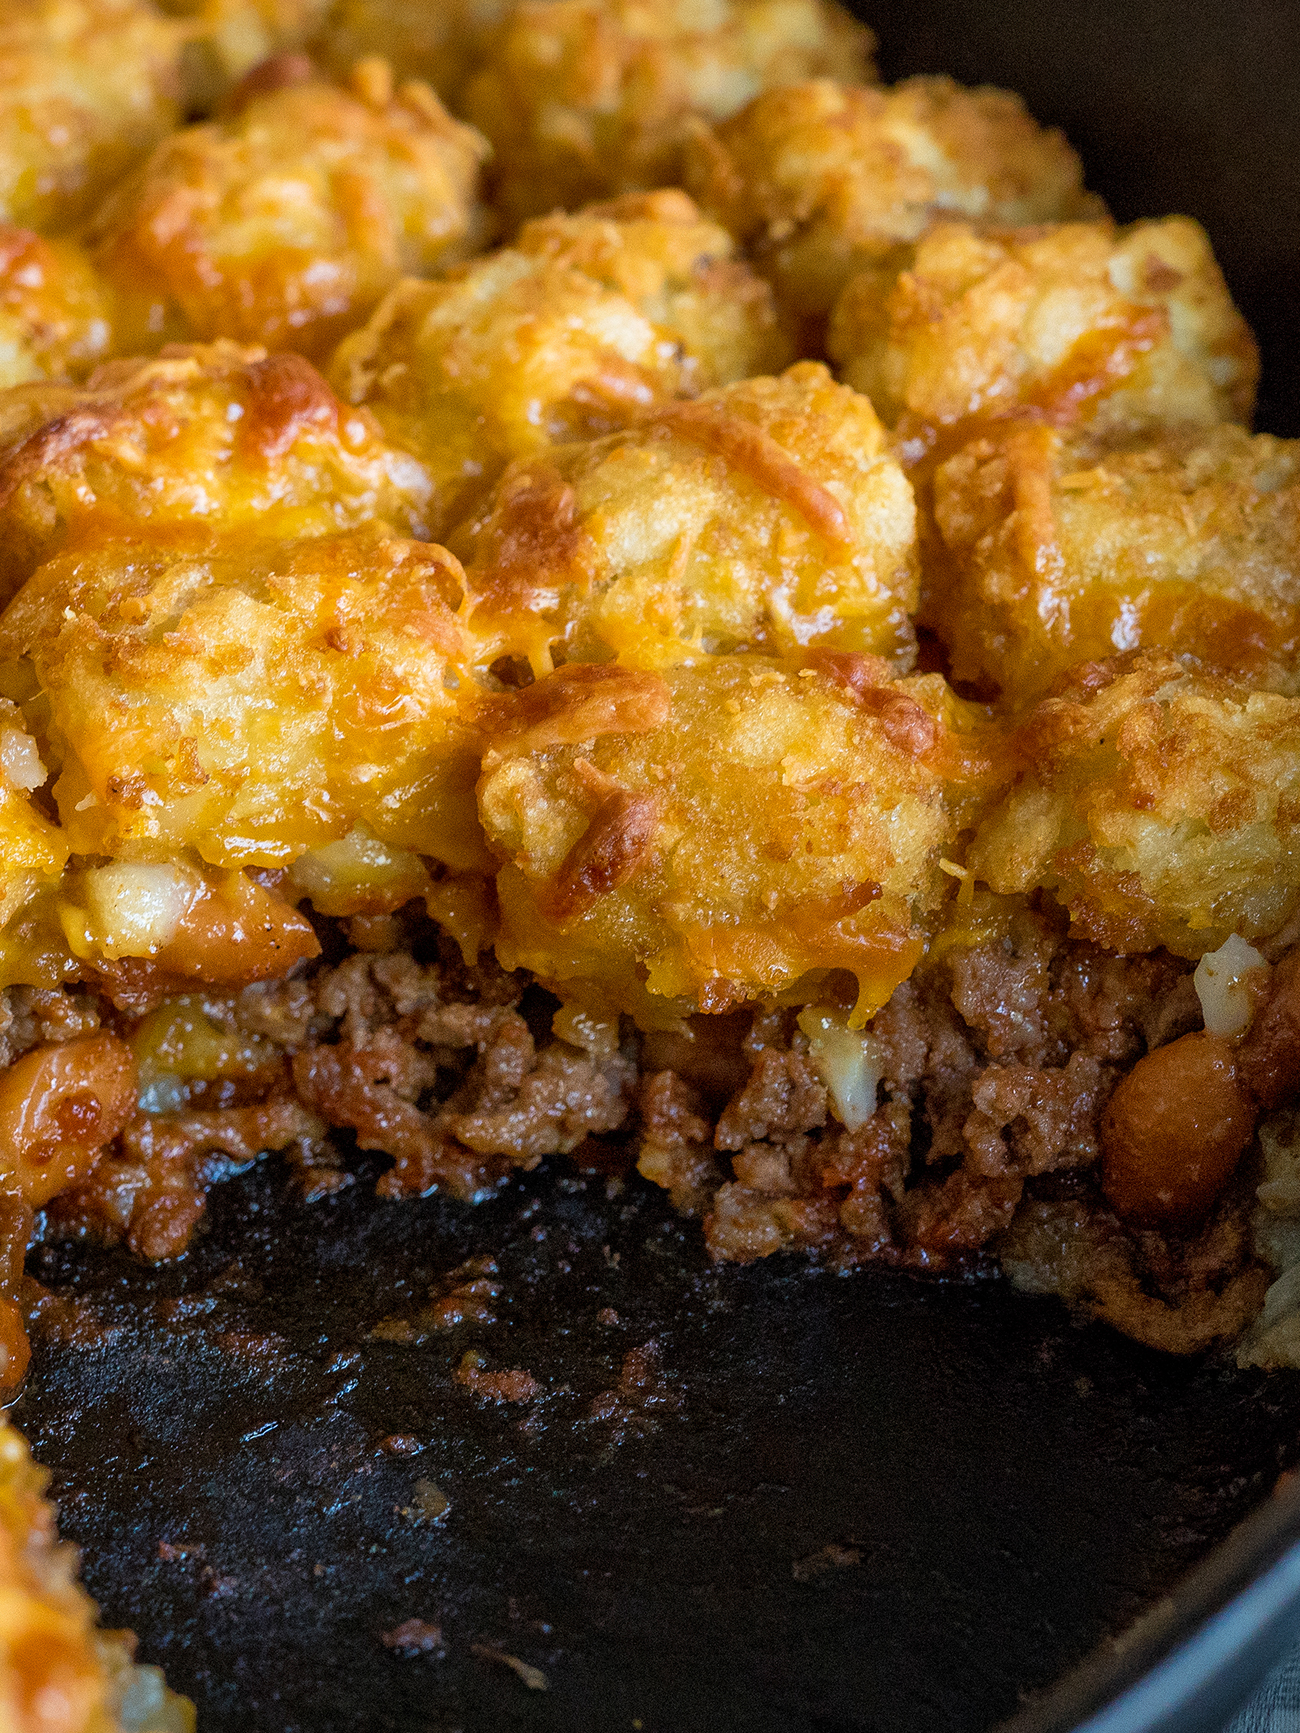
x,y
858,1503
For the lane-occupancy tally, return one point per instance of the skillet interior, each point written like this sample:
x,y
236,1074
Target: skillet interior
x,y
1000,1488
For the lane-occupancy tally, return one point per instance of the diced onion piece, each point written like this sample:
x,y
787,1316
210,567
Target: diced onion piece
x,y
359,874
163,1095
133,909
595,1035
1223,985
848,1061
20,760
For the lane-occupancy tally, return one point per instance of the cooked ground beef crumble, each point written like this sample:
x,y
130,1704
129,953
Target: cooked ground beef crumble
x,y
996,1061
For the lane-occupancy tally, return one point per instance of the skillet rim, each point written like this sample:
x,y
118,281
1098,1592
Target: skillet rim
x,y
1193,1658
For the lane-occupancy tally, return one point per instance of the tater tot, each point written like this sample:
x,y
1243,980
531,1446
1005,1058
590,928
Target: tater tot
x,y
201,442
824,180
722,833
1050,552
585,98
1075,323
240,707
767,515
284,222
87,88
1159,805
587,322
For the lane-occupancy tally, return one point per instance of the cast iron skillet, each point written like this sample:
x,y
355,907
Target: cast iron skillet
x,y
824,1504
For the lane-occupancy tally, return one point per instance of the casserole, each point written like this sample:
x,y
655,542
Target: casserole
x,y
1018,55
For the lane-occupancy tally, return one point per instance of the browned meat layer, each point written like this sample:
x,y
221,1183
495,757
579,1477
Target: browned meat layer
x,y
998,1060
426,1061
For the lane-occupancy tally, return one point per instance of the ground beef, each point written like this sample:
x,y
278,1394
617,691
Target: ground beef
x,y
152,1189
435,1066
30,1016
420,1057
1030,1121
998,1059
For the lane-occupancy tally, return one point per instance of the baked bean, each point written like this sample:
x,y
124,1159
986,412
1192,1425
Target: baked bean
x,y
1175,1130
236,931
59,1106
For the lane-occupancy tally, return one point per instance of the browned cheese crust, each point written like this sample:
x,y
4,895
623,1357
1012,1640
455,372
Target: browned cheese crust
x,y
1054,550
579,580
766,515
243,708
741,829
201,443
1068,323
825,180
1160,806
582,99
582,326
286,220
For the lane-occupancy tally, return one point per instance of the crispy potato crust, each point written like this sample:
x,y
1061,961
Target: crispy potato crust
x,y
824,180
240,707
1160,805
765,515
1056,553
1073,322
197,443
285,222
587,322
723,833
582,100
